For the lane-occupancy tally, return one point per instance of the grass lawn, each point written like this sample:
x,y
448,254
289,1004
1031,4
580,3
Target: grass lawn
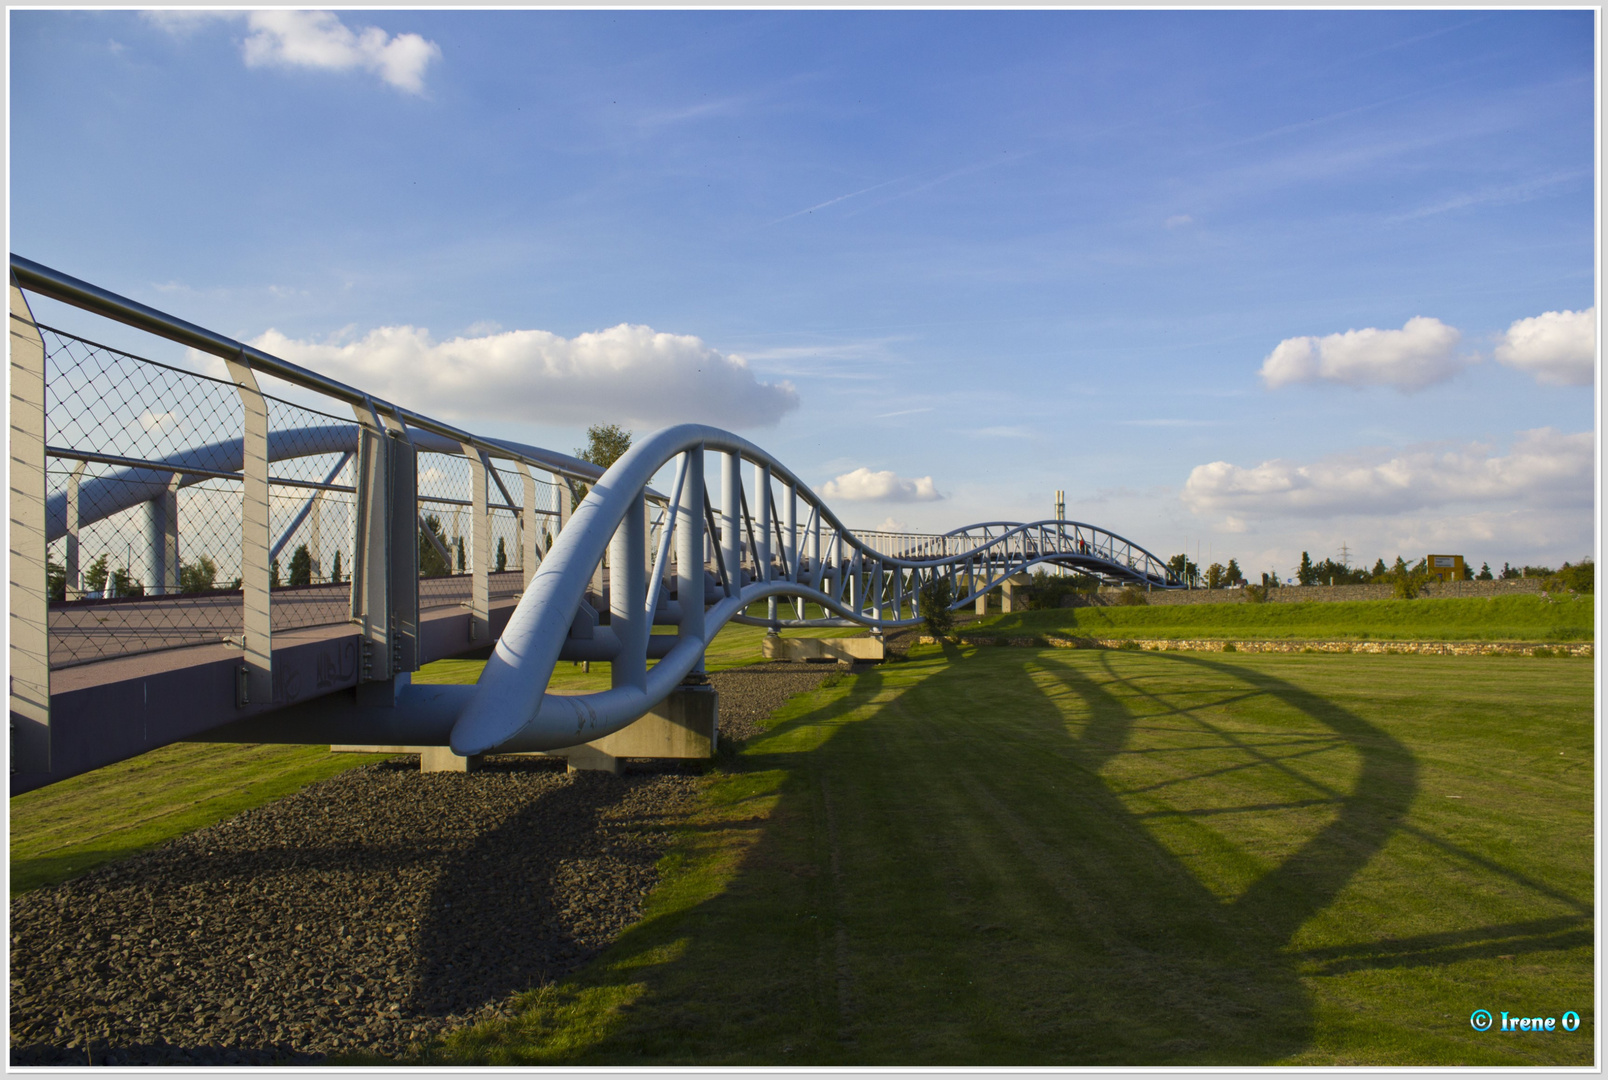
x,y
1083,857
1502,618
62,830
73,825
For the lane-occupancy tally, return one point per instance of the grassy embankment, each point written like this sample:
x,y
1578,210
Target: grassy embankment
x,y
1504,618
58,832
1052,857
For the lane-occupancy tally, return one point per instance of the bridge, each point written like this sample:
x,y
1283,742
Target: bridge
x,y
219,544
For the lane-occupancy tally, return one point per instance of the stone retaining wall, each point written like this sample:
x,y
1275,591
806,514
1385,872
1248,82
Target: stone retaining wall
x,y
1432,648
1291,594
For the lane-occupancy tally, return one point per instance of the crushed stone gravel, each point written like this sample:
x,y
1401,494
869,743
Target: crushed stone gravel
x,y
366,913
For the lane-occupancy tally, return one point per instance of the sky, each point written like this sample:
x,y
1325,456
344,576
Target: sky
x,y
1241,283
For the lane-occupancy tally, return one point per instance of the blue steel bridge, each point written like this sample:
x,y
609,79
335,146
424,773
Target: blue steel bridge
x,y
237,549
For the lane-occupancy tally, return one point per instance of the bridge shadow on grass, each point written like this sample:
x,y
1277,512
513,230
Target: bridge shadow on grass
x,y
943,865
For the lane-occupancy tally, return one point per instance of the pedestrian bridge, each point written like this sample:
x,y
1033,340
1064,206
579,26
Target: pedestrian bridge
x,y
208,542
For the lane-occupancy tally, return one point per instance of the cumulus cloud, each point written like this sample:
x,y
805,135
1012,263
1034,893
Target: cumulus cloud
x,y
627,374
1543,468
863,485
1416,356
320,40
1558,348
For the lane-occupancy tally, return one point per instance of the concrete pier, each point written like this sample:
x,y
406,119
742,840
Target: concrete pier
x,y
685,725
842,650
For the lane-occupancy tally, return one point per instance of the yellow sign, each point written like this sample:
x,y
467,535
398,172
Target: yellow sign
x,y
1446,568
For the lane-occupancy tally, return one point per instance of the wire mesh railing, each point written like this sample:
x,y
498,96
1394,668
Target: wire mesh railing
x,y
145,518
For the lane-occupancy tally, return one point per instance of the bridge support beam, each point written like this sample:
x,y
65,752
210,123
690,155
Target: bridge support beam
x,y
1013,596
689,546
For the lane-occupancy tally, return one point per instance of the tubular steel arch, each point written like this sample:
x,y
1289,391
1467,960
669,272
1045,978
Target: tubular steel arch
x,y
758,549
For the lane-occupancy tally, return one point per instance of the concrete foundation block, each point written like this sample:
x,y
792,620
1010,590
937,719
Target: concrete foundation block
x,y
842,650
588,758
1013,594
442,759
684,725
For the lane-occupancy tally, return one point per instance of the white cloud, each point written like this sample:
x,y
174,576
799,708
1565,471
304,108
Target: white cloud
x,y
1416,356
1543,468
1559,348
863,485
1178,220
320,40
627,374
890,524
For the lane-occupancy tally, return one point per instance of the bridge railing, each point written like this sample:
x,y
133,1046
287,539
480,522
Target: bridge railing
x,y
228,495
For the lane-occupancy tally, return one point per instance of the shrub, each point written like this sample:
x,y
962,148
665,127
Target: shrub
x,y
933,607
1580,578
1407,586
1256,594
1132,596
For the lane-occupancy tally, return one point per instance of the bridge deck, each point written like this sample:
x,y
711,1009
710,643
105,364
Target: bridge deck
x,y
114,708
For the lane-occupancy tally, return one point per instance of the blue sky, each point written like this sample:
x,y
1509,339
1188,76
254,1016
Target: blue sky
x,y
1250,282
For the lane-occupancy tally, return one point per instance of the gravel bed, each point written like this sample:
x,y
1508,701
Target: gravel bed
x,y
749,694
365,913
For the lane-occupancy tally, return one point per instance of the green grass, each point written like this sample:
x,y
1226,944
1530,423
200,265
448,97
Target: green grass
x,y
74,825
1503,618
734,646
62,830
1054,857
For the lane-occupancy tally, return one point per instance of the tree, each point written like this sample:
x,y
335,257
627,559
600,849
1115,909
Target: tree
x,y
95,575
1380,570
335,569
55,581
432,563
463,564
1183,569
1233,575
273,574
1306,575
1214,576
301,566
198,577
605,443
502,555
123,584
934,607
1485,573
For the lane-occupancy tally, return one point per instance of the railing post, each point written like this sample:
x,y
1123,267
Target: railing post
x,y
385,564
256,682
75,577
480,541
628,593
30,606
530,539
689,541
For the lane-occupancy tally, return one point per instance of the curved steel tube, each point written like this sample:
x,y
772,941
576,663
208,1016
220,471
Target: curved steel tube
x,y
510,710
